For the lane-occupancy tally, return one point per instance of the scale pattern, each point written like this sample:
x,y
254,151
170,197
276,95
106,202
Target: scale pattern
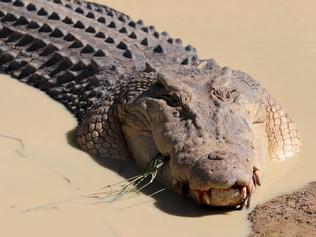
x,y
77,51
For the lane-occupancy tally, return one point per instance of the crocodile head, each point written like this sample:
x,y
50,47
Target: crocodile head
x,y
210,125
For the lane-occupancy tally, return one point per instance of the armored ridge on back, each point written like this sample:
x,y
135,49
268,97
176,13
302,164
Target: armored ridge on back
x,y
141,94
48,44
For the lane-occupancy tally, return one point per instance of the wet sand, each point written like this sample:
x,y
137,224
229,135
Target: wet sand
x,y
273,41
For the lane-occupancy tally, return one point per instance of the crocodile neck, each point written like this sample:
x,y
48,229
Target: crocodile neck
x,y
77,51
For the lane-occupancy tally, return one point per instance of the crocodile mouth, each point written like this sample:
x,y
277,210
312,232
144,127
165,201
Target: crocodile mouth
x,y
232,197
236,196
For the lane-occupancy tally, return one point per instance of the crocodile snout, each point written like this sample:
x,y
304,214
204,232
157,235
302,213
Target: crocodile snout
x,y
221,170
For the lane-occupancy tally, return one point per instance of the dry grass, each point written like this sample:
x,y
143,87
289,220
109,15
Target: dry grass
x,y
113,192
132,185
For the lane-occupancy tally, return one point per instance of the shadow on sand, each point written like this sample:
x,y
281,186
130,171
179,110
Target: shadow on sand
x,y
167,201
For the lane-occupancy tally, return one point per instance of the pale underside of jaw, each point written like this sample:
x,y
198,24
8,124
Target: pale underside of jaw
x,y
232,197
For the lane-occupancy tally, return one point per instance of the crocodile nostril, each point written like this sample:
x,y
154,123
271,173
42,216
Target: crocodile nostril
x,y
214,156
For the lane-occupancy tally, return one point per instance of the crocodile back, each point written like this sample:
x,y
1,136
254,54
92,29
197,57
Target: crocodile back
x,y
75,50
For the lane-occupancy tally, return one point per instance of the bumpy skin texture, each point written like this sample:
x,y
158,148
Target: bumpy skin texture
x,y
139,93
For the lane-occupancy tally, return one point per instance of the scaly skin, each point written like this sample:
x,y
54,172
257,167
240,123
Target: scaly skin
x,y
138,93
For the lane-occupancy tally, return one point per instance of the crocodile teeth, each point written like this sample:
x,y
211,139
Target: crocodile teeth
x,y
220,197
243,192
231,195
256,178
250,188
206,198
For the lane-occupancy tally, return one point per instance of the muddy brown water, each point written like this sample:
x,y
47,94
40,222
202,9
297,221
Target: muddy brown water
x,y
273,41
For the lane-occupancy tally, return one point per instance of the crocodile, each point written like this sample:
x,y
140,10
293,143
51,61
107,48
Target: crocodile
x,y
140,94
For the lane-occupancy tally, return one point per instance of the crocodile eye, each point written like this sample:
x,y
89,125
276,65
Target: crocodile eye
x,y
225,95
176,97
173,97
180,97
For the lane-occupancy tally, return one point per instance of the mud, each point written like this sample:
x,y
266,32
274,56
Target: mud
x,y
288,215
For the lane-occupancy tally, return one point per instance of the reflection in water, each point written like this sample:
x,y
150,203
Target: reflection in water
x,y
269,42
